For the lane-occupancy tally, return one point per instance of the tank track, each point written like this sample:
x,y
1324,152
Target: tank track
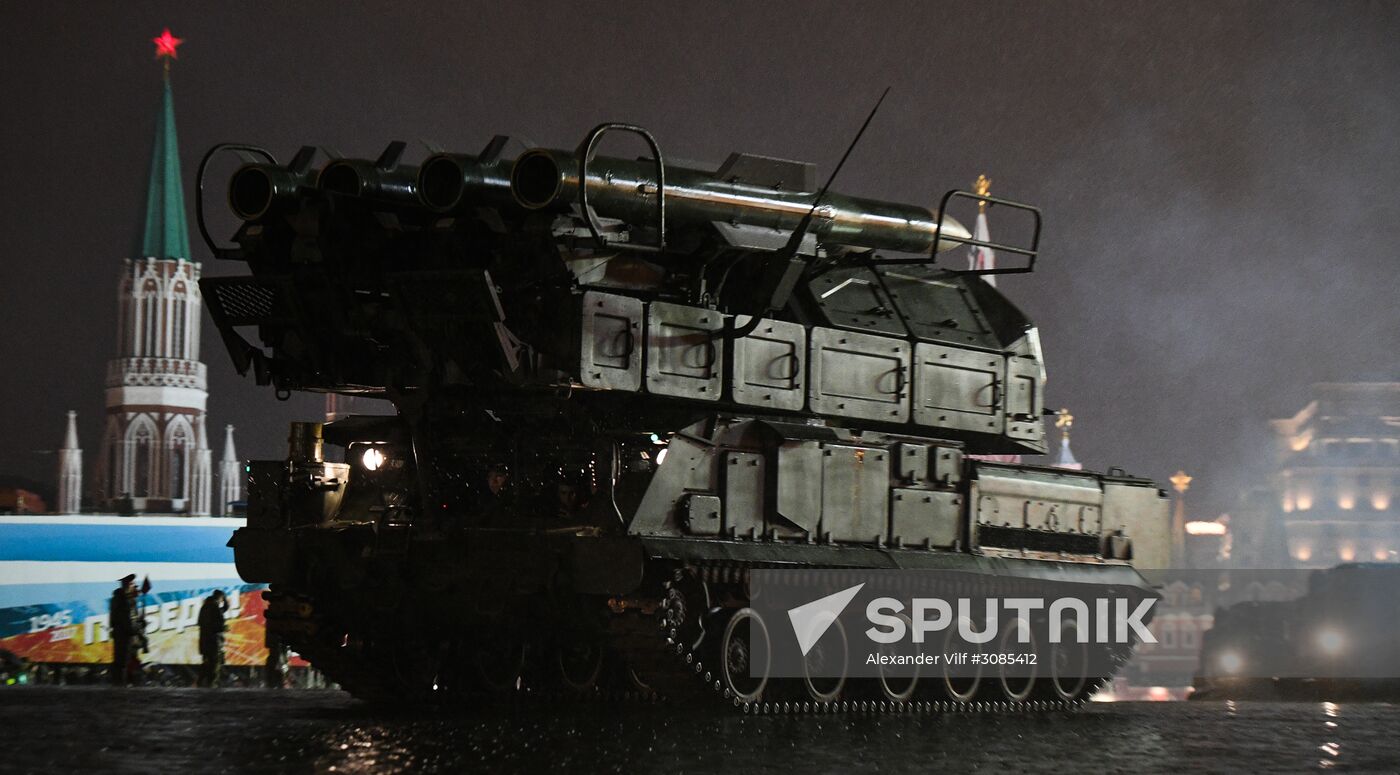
x,y
656,650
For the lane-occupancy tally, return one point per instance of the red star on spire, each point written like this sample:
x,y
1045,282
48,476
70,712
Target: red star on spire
x,y
166,43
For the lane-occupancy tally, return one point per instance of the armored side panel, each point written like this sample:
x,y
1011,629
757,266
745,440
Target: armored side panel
x,y
945,466
691,470
1024,404
701,514
859,375
769,365
957,388
684,359
610,355
1140,512
1042,510
855,493
743,493
911,463
927,518
798,506
852,299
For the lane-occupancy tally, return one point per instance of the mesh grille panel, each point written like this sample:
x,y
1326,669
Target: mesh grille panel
x,y
243,300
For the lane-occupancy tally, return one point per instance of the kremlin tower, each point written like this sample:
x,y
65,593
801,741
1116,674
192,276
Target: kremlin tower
x,y
155,456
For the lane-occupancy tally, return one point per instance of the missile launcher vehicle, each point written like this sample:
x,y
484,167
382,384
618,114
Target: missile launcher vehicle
x,y
621,386
1340,641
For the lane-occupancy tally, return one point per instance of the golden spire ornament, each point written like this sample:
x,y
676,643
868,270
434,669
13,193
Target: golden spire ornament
x,y
1064,420
983,187
1181,481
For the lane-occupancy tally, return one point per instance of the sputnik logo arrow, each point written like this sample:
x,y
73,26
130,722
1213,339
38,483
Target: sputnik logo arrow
x,y
811,620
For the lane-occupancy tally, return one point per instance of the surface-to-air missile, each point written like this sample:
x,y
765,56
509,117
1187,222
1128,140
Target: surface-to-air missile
x,y
613,400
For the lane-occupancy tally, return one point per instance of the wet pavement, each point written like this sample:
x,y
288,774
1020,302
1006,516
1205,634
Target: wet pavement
x,y
47,729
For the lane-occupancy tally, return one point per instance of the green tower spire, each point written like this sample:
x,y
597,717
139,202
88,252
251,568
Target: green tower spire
x,y
166,234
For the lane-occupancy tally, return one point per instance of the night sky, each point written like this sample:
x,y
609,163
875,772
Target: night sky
x,y
1218,179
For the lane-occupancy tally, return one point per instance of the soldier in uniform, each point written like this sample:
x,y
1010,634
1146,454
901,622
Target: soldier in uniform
x,y
572,492
128,628
211,638
275,669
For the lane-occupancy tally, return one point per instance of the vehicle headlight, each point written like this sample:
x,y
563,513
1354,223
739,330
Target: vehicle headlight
x,y
1331,641
1231,662
373,459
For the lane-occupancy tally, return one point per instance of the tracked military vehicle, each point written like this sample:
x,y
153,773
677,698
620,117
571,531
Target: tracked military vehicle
x,y
1338,641
621,387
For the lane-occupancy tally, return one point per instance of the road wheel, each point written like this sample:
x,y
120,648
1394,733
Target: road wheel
x,y
898,687
580,663
1069,664
961,681
1017,680
824,668
500,664
746,655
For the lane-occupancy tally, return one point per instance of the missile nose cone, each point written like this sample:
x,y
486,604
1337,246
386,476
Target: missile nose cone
x,y
952,234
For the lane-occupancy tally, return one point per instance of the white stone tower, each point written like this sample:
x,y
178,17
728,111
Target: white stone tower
x,y
230,474
155,456
70,470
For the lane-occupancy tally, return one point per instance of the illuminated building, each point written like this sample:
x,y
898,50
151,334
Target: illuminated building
x,y
1207,544
1338,467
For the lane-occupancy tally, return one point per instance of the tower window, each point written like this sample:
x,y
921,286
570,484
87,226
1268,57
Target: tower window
x,y
178,350
141,487
178,474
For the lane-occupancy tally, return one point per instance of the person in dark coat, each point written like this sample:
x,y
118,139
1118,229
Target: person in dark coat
x,y
211,637
128,629
275,669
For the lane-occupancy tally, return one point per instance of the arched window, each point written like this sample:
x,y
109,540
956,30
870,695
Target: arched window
x,y
150,313
142,450
178,446
178,350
